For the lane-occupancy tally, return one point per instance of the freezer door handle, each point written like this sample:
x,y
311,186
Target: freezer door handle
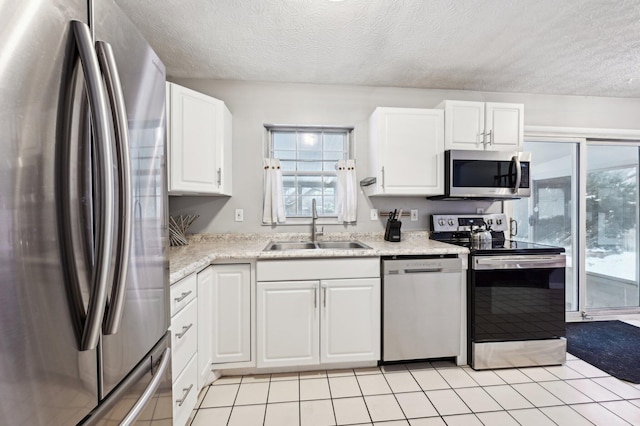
x,y
104,166
123,156
148,393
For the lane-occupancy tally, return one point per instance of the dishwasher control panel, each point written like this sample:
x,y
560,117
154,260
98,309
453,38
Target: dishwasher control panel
x,y
416,266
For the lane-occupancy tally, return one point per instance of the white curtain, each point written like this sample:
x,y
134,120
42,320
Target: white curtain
x,y
346,192
273,209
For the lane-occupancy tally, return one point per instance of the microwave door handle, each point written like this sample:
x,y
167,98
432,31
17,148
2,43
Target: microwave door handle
x,y
516,161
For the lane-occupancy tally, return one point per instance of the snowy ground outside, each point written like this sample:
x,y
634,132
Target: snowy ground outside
x,y
619,265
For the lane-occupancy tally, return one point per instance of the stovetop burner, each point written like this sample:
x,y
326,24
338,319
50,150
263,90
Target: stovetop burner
x,y
456,229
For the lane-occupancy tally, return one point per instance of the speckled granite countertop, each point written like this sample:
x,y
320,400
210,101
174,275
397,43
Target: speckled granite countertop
x,y
205,248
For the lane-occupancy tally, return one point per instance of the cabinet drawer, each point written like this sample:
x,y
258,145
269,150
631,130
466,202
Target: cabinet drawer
x,y
183,292
184,337
185,393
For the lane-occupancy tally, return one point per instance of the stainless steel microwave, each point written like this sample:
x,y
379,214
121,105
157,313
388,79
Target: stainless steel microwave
x,y
487,174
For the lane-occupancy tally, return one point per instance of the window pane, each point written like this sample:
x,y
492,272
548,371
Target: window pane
x,y
612,223
549,215
285,155
329,184
334,142
309,141
284,140
288,165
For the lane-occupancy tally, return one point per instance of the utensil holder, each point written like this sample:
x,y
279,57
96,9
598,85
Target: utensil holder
x,y
392,232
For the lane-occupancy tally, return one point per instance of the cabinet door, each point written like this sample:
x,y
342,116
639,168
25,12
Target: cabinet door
x,y
464,125
195,141
411,149
504,126
205,282
231,313
350,327
287,323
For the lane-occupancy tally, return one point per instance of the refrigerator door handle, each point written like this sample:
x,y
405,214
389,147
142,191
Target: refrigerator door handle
x,y
123,155
104,164
148,393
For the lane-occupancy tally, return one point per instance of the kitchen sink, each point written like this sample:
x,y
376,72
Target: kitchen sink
x,y
345,245
310,245
290,245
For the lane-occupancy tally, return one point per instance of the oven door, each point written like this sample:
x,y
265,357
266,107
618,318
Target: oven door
x,y
517,297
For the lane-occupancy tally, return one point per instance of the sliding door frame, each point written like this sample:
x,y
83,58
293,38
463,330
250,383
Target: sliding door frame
x,y
582,137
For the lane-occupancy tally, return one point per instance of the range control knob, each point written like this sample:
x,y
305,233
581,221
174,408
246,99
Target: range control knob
x,y
489,221
441,222
450,222
499,221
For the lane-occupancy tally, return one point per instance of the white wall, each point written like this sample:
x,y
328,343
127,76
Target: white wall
x,y
253,104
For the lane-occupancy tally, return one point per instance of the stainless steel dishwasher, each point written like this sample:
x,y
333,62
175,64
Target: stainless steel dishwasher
x,y
422,302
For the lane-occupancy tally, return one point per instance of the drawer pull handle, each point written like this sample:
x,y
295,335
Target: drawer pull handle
x,y
184,331
184,395
183,296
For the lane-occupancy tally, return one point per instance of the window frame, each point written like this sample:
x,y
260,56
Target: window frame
x,y
268,151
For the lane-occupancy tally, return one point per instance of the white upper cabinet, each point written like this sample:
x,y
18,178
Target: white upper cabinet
x,y
406,148
199,141
488,126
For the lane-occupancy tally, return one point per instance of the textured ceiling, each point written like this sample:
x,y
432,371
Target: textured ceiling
x,y
573,47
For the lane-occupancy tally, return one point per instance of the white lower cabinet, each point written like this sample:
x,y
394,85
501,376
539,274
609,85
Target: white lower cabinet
x,y
205,284
288,323
317,321
184,347
231,313
185,392
350,320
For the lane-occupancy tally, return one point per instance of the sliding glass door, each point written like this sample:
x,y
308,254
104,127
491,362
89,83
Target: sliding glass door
x,y
548,216
611,257
585,198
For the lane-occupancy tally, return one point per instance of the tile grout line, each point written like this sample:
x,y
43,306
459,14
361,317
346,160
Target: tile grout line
x,y
396,398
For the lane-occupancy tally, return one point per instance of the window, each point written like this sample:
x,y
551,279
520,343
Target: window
x,y
308,157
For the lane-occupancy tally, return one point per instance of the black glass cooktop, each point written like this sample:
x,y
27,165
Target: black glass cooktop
x,y
501,246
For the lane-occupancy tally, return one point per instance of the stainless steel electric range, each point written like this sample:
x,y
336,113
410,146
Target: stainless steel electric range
x,y
515,294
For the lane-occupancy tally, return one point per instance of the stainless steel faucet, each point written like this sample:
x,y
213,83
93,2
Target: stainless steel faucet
x,y
314,217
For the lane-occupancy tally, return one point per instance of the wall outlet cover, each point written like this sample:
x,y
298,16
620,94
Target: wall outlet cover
x,y
414,215
374,214
239,215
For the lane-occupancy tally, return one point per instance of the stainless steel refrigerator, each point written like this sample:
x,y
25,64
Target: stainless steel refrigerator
x,y
84,306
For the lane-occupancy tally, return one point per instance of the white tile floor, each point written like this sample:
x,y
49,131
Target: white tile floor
x,y
425,394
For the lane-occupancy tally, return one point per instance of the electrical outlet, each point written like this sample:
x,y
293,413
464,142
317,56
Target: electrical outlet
x,y
414,215
239,215
479,210
374,214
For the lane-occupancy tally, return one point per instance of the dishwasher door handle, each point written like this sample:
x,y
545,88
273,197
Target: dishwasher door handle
x,y
422,271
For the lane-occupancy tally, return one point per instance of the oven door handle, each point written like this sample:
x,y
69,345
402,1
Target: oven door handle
x,y
518,262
